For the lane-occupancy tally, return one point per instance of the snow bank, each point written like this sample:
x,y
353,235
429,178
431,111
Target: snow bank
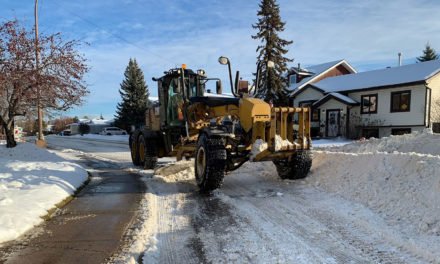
x,y
176,172
403,187
32,181
328,143
419,142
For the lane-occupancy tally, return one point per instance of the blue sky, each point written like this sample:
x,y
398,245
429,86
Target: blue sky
x,y
165,34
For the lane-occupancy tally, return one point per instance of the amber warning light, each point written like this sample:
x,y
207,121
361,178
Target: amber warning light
x,y
184,66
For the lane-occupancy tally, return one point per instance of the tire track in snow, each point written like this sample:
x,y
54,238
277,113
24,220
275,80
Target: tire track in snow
x,y
339,238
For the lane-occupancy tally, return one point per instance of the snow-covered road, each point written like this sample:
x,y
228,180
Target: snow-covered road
x,y
257,218
254,218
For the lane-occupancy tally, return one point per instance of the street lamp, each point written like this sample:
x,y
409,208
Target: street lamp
x,y
40,139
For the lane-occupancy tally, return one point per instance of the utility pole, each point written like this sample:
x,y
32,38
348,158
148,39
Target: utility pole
x,y
40,140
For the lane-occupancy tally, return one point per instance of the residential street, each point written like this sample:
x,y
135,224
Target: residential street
x,y
254,218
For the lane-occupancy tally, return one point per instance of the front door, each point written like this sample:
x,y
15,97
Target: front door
x,y
332,124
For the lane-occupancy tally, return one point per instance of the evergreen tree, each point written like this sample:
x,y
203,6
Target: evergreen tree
x,y
84,128
428,54
272,86
134,94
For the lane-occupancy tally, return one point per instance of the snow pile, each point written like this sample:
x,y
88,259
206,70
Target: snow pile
x,y
179,171
282,144
329,143
32,181
418,142
402,187
258,147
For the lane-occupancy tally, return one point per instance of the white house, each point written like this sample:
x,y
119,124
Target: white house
x,y
375,103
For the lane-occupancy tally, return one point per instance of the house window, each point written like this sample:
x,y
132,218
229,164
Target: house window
x,y
369,104
315,115
370,132
400,101
400,131
292,79
315,112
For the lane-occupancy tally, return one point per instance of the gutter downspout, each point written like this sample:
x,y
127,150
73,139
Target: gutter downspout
x,y
430,102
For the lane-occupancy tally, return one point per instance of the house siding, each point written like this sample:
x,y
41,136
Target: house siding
x,y
337,71
434,84
309,94
384,117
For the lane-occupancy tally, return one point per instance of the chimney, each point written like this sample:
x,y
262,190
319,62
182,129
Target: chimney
x,y
400,58
299,67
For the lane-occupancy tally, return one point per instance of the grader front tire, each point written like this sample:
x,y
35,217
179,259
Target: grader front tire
x,y
210,163
296,168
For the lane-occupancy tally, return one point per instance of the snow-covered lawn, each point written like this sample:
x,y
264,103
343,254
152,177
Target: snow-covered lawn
x,y
32,181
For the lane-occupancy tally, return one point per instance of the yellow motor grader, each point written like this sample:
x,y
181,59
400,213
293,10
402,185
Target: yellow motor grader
x,y
220,132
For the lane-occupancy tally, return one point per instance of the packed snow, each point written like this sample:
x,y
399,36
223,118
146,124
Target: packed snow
x,y
281,143
32,181
258,147
372,201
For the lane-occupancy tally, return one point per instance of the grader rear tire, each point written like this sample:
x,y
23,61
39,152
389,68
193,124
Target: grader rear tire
x,y
134,148
210,163
147,152
297,168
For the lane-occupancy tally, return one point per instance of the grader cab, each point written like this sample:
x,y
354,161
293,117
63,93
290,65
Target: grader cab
x,y
220,132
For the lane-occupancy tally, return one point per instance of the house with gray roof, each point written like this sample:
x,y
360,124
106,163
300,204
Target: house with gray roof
x,y
375,103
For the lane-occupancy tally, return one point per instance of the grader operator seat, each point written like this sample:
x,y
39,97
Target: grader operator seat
x,y
175,105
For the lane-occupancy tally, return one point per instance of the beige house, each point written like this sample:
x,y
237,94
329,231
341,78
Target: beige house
x,y
375,103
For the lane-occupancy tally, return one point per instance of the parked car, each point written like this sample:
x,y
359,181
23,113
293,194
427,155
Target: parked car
x,y
65,132
113,131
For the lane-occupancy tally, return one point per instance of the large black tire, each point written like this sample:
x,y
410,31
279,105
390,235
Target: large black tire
x,y
296,168
147,152
134,148
210,163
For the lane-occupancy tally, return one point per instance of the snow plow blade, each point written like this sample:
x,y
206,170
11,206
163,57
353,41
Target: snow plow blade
x,y
289,133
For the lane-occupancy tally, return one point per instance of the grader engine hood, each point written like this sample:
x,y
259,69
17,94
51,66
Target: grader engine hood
x,y
253,110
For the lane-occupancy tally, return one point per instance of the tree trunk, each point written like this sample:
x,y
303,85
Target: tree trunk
x,y
9,131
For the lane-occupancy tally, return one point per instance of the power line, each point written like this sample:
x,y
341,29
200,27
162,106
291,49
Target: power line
x,y
121,38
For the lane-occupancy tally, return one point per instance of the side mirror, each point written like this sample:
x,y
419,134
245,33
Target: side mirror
x,y
218,87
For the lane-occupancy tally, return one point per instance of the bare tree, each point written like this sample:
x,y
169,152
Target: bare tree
x,y
60,75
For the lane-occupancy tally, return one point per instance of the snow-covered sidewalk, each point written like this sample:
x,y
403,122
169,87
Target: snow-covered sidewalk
x,y
32,181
